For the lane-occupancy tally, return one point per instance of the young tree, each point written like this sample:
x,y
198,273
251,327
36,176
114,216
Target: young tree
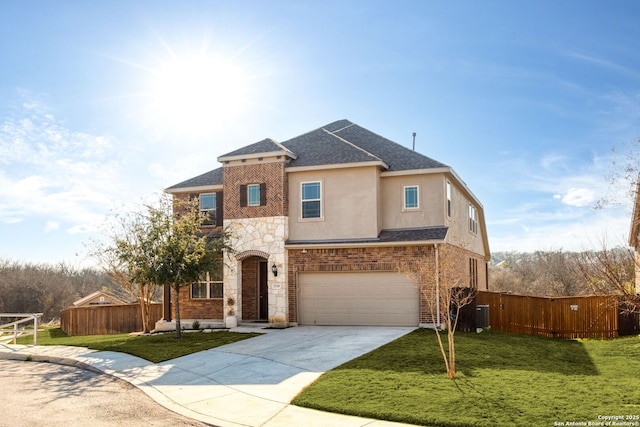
x,y
175,250
160,246
445,296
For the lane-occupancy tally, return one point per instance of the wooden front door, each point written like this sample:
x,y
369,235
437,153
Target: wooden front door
x,y
263,292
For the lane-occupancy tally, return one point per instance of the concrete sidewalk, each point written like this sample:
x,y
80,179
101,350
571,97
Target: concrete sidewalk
x,y
248,383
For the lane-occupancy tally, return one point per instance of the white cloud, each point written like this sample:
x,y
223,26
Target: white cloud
x,y
51,226
578,197
63,178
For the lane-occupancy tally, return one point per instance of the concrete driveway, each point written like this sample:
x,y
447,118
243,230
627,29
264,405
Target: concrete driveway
x,y
252,382
248,383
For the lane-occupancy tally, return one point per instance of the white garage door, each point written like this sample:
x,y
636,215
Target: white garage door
x,y
371,298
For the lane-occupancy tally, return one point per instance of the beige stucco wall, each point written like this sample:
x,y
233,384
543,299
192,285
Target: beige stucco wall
x,y
431,201
349,204
459,232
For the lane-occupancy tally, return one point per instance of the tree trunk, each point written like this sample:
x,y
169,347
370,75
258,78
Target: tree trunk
x,y
146,319
176,288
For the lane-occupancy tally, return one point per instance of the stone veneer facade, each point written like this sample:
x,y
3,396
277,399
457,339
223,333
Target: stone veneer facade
x,y
264,237
256,230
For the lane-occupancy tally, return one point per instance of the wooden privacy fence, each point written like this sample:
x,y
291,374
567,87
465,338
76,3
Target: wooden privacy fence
x,y
106,319
562,317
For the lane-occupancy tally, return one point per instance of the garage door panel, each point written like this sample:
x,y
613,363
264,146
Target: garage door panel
x,y
363,298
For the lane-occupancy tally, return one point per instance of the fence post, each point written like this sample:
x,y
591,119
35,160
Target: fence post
x,y
35,329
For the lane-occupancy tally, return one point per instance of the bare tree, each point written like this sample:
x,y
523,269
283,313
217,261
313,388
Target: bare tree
x,y
611,271
445,297
540,273
44,288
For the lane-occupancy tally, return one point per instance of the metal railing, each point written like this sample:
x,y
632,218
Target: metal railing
x,y
17,327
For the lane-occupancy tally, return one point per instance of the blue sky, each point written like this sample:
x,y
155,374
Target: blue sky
x,y
103,104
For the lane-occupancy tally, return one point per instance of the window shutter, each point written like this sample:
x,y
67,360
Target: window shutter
x,y
243,195
219,210
263,194
193,196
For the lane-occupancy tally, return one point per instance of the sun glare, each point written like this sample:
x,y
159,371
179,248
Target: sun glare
x,y
196,93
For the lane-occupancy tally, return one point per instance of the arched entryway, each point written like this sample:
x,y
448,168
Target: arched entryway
x,y
255,289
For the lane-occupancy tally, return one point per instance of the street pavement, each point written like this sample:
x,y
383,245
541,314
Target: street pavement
x,y
247,383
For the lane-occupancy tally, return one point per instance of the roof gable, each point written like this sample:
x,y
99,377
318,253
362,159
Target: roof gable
x,y
320,147
397,156
267,145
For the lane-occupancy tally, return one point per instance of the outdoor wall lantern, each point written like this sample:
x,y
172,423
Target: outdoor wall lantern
x,y
274,270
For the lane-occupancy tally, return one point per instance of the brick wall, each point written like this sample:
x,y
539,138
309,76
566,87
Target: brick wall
x,y
453,260
197,308
272,174
355,259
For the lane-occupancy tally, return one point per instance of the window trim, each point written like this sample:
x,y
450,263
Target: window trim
x,y
207,282
320,216
256,188
404,198
473,219
212,213
449,196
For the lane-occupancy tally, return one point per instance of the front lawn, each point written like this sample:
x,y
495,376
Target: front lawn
x,y
154,348
504,380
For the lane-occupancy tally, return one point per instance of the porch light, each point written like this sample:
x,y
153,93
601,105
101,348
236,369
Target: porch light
x,y
274,270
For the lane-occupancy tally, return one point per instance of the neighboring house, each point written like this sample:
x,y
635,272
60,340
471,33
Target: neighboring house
x,y
320,224
97,298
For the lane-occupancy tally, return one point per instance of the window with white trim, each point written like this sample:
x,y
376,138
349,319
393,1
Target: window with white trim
x,y
311,198
209,288
473,219
411,197
208,208
253,194
448,199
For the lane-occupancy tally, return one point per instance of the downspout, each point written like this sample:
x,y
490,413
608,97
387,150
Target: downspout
x,y
438,323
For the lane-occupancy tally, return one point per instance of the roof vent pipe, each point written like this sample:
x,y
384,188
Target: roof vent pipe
x,y
414,141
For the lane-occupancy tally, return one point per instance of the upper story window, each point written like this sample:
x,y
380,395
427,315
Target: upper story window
x,y
253,194
473,219
311,200
209,287
448,199
411,198
208,208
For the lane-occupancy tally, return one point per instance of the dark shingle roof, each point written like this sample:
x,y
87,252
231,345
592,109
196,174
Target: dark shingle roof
x,y
404,235
213,177
267,145
397,156
339,142
320,147
345,142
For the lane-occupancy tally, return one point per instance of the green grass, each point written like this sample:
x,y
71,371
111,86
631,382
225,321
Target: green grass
x,y
154,348
504,379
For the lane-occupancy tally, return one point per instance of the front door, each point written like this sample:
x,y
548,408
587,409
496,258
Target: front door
x,y
263,292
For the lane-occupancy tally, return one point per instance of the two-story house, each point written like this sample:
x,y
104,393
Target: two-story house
x,y
320,224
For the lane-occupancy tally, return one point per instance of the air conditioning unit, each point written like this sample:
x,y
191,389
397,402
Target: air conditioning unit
x,y
482,316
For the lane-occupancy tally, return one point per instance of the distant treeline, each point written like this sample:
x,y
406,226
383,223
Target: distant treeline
x,y
561,273
48,289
